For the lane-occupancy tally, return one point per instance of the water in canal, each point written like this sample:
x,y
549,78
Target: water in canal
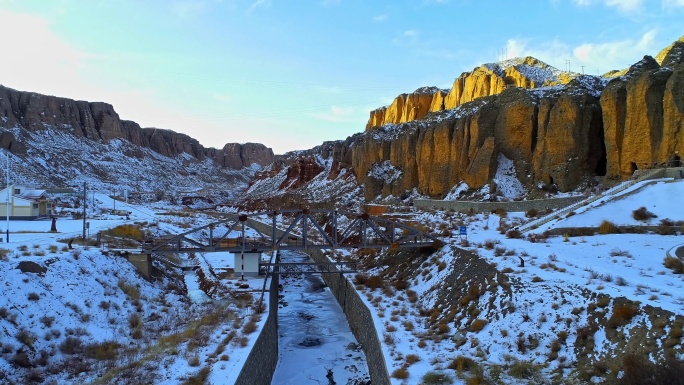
x,y
315,343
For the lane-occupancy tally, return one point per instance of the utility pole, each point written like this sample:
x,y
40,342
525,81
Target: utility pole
x,y
582,70
85,201
7,206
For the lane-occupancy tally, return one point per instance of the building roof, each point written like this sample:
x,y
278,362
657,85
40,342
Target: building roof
x,y
33,194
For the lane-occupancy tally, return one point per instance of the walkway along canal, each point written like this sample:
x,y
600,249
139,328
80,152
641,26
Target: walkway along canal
x,y
316,345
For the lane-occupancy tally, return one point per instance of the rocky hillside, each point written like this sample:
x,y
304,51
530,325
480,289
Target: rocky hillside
x,y
99,122
557,129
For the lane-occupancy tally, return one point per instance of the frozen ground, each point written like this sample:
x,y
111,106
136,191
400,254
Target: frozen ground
x,y
316,345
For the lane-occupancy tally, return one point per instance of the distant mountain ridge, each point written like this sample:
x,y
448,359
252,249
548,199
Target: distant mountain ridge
x,y
98,121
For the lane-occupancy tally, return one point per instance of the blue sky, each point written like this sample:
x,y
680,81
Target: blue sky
x,y
294,73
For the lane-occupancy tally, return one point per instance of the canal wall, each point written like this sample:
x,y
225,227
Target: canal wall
x,y
261,362
486,207
360,320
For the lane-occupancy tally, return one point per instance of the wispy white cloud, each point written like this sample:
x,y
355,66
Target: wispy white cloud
x,y
552,52
627,6
259,4
40,61
617,54
383,17
338,114
406,37
667,4
595,57
44,62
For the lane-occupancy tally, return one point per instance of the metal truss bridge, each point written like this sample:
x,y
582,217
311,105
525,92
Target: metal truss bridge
x,y
311,268
291,230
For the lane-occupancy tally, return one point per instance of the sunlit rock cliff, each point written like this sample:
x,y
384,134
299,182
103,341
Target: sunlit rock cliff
x,y
557,128
488,79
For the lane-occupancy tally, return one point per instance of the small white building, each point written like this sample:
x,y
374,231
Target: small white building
x,y
24,202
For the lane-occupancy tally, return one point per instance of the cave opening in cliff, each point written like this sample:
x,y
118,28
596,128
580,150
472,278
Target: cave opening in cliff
x,y
602,164
601,168
634,167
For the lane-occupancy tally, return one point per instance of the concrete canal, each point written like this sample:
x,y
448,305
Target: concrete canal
x,y
316,345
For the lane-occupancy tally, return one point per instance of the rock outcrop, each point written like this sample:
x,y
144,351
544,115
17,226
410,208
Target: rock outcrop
x,y
98,121
408,107
236,155
488,79
643,115
584,126
553,137
33,111
302,171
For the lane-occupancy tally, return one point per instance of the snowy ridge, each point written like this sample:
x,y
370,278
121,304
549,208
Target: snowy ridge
x,y
531,68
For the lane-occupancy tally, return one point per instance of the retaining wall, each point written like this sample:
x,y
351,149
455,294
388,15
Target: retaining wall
x,y
142,262
579,231
517,206
263,359
360,320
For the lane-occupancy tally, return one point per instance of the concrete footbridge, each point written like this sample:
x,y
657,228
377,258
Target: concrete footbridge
x,y
291,230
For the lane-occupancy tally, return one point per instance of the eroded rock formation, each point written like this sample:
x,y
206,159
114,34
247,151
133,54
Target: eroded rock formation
x,y
98,121
643,116
582,127
488,79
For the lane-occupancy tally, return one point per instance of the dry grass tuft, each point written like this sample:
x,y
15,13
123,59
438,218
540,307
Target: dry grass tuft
x,y
462,363
675,264
400,374
621,316
131,291
514,234
411,359
436,378
478,325
642,214
523,370
608,227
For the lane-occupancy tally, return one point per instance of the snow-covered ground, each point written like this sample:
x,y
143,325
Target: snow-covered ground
x,y
549,296
89,296
84,315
